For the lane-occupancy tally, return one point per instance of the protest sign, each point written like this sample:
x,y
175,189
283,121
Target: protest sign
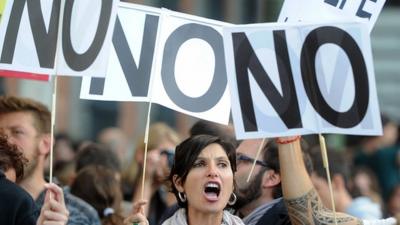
x,y
190,75
16,74
283,81
29,36
331,10
131,60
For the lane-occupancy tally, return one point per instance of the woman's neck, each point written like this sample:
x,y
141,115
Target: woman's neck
x,y
196,217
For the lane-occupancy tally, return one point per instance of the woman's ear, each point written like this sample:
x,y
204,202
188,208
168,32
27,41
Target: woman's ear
x,y
178,183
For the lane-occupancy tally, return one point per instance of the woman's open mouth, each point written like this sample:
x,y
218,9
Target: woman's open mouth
x,y
211,191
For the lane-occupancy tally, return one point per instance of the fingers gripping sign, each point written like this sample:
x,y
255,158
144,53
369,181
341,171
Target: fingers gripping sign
x,y
54,210
137,217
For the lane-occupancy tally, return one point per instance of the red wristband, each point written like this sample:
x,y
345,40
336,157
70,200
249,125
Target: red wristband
x,y
283,142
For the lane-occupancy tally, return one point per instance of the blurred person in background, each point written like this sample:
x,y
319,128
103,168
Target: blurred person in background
x,y
100,187
97,154
161,146
63,148
363,182
393,202
361,207
382,156
118,142
64,172
64,159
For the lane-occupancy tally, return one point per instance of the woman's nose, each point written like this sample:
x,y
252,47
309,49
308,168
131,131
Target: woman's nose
x,y
212,171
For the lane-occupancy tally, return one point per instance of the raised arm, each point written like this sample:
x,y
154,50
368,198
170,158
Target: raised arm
x,y
301,198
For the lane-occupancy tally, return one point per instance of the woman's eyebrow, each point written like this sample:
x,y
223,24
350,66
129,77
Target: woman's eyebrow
x,y
222,158
216,158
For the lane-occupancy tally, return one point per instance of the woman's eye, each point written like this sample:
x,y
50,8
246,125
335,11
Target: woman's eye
x,y
223,164
198,164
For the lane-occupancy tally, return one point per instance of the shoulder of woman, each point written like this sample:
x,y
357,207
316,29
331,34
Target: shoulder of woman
x,y
178,218
230,219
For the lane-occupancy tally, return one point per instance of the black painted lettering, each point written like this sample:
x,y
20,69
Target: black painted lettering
x,y
45,40
77,61
286,105
333,35
361,13
218,85
137,76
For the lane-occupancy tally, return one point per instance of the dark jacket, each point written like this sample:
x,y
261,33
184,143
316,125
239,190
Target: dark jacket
x,y
277,215
16,205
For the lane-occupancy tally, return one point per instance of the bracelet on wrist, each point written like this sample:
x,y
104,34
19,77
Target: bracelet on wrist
x,y
287,141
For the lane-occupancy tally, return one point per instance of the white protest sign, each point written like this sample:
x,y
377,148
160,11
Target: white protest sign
x,y
29,40
85,43
131,60
331,10
283,81
190,75
18,40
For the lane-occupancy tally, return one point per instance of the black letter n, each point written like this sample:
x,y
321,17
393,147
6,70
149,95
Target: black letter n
x,y
245,59
45,41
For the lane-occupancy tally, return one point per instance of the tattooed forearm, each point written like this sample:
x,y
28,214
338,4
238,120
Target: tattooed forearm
x,y
308,210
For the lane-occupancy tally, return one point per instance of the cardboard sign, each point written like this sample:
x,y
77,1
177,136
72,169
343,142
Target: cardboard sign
x,y
331,10
187,72
29,40
131,60
190,74
283,81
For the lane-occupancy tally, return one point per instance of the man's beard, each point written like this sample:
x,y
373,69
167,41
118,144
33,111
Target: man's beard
x,y
30,167
249,193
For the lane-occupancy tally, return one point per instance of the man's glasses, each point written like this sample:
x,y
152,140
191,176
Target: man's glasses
x,y
242,158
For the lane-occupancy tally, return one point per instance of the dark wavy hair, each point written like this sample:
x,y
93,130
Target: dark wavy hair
x,y
11,158
186,154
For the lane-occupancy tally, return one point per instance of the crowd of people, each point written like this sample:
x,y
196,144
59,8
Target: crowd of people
x,y
199,179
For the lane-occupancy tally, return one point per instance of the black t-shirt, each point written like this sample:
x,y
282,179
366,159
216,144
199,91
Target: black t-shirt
x,y
16,205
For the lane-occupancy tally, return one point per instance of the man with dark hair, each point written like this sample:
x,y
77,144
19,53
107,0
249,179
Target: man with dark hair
x,y
27,125
259,201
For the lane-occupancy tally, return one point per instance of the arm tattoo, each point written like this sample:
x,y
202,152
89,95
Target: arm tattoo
x,y
308,210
